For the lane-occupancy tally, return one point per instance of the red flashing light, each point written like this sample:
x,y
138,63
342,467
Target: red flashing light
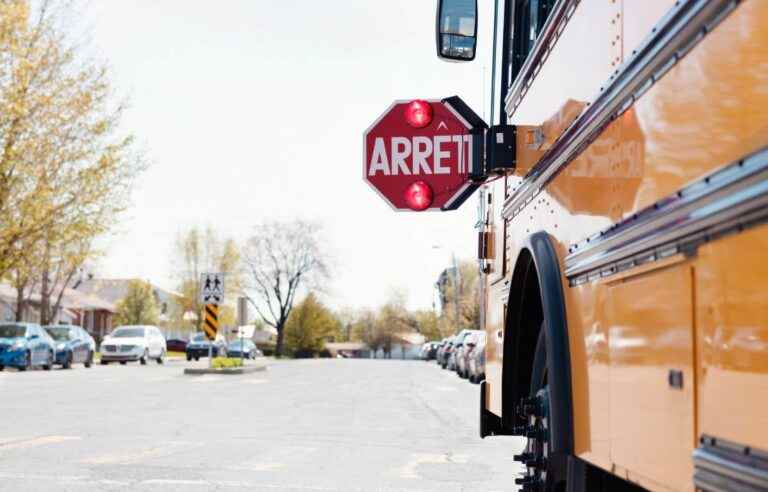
x,y
418,196
419,113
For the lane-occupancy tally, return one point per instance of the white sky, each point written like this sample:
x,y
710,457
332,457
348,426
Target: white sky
x,y
252,109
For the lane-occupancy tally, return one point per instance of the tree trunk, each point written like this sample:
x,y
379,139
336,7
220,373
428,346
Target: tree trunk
x,y
45,298
45,290
20,304
280,335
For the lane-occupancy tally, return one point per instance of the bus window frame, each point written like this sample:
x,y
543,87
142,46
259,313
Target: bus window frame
x,y
512,59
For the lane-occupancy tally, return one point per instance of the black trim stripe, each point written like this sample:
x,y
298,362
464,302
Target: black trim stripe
x,y
678,32
727,201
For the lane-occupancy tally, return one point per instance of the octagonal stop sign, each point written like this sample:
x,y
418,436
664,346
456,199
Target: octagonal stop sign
x,y
425,155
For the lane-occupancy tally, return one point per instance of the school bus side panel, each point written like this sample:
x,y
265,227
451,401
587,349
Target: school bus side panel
x,y
732,336
707,111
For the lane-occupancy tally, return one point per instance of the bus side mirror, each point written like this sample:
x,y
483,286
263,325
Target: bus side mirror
x,y
456,29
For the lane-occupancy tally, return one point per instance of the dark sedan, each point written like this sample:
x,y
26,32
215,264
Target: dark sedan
x,y
199,345
72,345
243,348
176,345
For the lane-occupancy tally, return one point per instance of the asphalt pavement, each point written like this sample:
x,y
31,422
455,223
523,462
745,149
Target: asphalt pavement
x,y
306,425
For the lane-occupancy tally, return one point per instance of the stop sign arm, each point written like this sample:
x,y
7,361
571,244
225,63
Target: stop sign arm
x,y
477,128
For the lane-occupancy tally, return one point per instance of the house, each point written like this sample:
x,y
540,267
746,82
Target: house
x,y
405,345
114,290
9,305
356,350
90,312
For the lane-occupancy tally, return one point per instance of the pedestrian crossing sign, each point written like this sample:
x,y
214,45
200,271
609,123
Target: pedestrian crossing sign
x,y
212,288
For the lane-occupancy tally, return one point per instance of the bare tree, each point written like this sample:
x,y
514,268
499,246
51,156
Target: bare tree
x,y
280,258
197,251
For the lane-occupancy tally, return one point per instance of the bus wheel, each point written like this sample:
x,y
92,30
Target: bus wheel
x,y
535,410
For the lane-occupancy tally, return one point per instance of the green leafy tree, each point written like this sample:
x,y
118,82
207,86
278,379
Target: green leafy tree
x,y
66,169
309,326
392,320
428,324
138,307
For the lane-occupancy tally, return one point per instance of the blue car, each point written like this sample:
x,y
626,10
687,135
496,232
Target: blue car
x,y
73,345
243,348
25,345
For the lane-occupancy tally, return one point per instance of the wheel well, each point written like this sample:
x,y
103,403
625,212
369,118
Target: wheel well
x,y
524,317
536,302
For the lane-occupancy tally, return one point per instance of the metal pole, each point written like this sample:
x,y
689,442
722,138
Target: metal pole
x,y
456,289
493,61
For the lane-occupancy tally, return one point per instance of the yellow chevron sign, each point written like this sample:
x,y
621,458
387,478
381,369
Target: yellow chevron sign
x,y
211,320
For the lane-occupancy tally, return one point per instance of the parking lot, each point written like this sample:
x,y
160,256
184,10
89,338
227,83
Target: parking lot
x,y
301,425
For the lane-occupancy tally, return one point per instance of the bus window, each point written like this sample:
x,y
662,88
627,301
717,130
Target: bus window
x,y
529,18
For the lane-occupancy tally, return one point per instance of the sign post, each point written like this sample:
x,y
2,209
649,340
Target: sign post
x,y
425,155
242,319
211,295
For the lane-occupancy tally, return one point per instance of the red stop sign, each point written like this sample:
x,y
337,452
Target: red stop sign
x,y
419,155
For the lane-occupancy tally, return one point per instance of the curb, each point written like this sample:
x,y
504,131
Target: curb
x,y
232,370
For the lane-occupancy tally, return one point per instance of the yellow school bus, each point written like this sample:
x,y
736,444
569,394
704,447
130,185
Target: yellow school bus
x,y
625,247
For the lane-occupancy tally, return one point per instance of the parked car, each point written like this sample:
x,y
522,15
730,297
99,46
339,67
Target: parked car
x,y
198,346
243,347
73,345
133,343
428,350
423,351
445,352
432,353
463,352
477,360
176,345
25,345
456,347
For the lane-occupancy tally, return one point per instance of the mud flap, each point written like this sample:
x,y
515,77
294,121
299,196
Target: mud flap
x,y
490,424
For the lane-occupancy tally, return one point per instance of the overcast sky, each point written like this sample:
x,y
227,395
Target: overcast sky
x,y
253,109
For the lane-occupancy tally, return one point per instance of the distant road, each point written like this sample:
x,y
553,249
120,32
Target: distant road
x,y
300,426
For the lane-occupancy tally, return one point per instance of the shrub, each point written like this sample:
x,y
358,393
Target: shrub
x,y
226,363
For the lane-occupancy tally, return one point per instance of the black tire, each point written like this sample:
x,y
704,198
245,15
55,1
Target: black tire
x,y
160,359
2,368
49,365
103,362
144,357
189,357
197,358
67,361
123,362
27,361
88,360
535,409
